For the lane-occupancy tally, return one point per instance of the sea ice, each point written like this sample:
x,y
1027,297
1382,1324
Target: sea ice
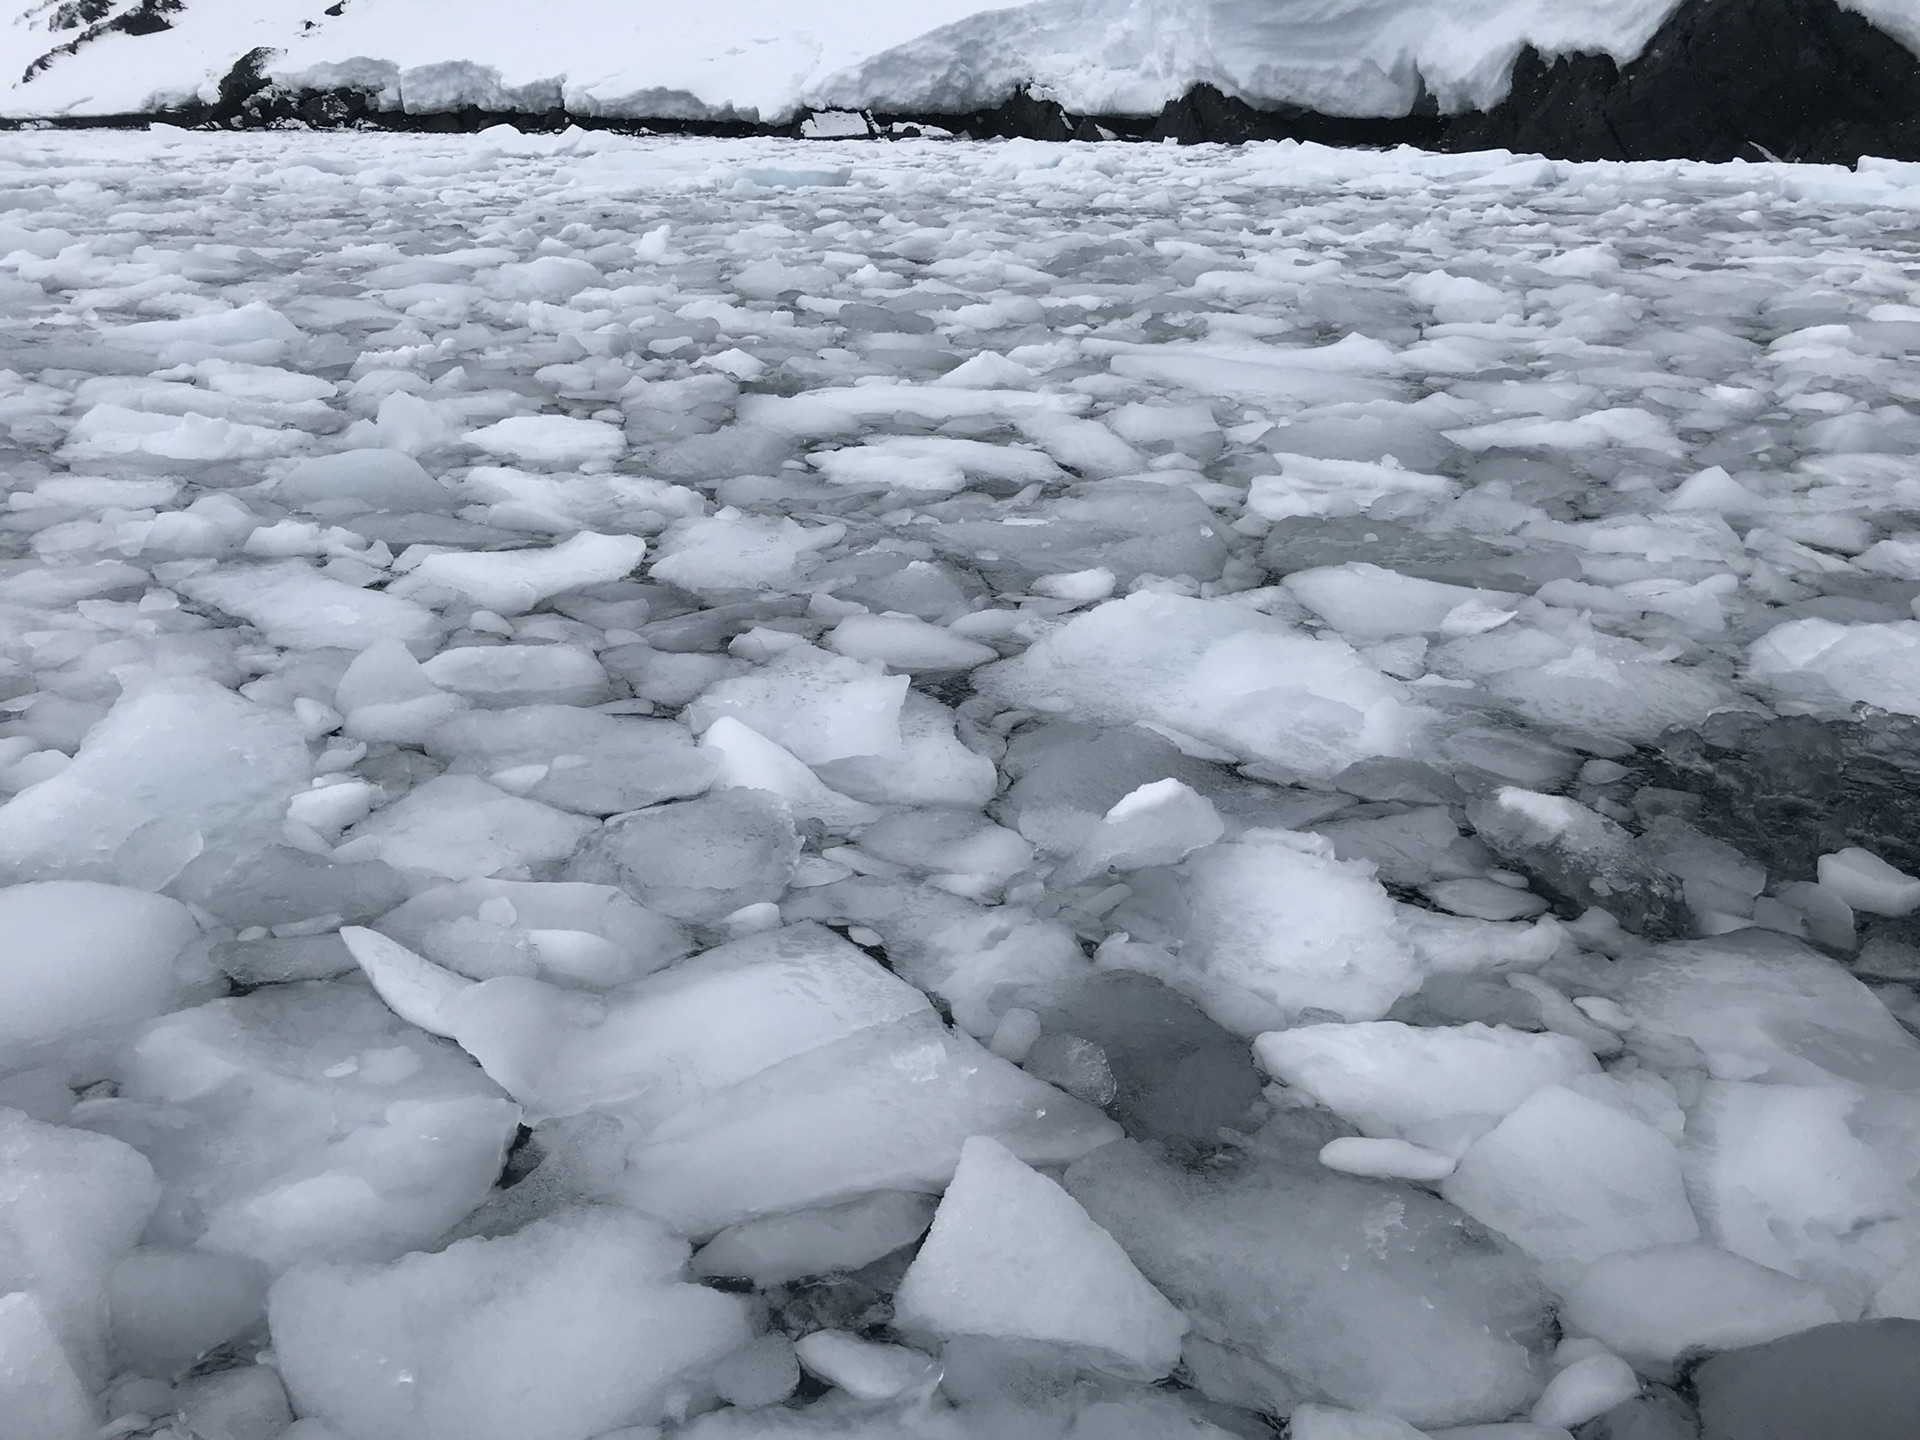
x,y
1235,682
509,582
1243,611
304,1121
1569,1179
1306,1282
85,958
1012,1255
154,785
1656,1305
1243,952
1396,1081
574,1326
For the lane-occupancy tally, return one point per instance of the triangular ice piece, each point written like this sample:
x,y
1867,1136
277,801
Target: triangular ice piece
x,y
1011,1255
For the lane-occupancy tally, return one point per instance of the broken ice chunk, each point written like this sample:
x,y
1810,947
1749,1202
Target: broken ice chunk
x,y
783,1248
1569,1179
748,760
1386,1159
969,853
1307,486
1364,1293
1276,925
154,784
42,1395
1364,602
866,1369
1826,666
296,607
304,1120
1868,883
385,695
502,676
71,1207
556,442
1012,1256
697,860
728,551
589,935
1759,1006
1796,1177
902,642
1395,1081
1158,824
358,480
1653,1306
571,1327
931,766
587,762
820,707
511,582
84,957
459,827
1221,674
980,960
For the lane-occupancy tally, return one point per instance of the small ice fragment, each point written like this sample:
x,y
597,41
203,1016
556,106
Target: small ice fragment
x,y
511,582
1012,1256
904,642
1160,823
865,1369
1585,1389
1078,585
1868,883
1385,1159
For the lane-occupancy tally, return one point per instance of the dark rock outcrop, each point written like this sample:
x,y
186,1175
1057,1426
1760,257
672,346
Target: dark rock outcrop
x,y
149,17
1721,80
1022,116
1204,114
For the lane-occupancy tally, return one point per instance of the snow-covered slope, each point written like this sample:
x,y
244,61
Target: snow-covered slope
x,y
750,58
1340,57
767,59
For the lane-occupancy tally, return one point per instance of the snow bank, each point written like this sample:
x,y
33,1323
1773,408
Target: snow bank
x,y
1339,57
764,60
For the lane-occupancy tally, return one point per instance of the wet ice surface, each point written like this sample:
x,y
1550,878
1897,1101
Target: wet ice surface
x,y
583,715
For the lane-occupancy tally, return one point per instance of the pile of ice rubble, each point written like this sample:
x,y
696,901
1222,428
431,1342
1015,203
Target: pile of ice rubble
x,y
997,793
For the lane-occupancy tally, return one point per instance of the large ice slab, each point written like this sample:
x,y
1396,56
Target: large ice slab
x,y
303,1121
574,1326
1238,682
771,1073
173,770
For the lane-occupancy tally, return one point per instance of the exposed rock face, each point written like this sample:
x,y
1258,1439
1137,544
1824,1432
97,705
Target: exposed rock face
x,y
1722,80
1205,114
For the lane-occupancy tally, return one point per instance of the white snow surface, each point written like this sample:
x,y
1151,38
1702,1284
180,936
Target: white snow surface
x,y
766,831
768,59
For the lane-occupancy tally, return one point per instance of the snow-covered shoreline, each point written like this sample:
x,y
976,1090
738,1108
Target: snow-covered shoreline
x,y
1704,79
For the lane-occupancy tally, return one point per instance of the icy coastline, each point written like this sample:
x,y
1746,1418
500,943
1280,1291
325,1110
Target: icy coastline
x,y
1810,80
